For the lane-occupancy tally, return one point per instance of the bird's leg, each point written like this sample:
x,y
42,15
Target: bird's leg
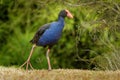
x,y
27,62
48,60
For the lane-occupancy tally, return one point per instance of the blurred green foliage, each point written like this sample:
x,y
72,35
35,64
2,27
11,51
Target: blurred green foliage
x,y
89,41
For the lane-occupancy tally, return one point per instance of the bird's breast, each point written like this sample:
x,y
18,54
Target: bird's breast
x,y
50,36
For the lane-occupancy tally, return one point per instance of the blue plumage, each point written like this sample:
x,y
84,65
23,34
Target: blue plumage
x,y
52,34
48,35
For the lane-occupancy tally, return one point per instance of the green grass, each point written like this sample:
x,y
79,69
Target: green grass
x,y
57,74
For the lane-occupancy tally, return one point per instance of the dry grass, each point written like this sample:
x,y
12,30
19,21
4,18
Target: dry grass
x,y
57,74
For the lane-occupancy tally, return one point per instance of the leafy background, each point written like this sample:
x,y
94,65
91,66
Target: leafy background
x,y
89,41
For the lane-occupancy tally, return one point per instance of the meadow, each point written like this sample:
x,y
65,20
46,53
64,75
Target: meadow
x,y
89,48
57,74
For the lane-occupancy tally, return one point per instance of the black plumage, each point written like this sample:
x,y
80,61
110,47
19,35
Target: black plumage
x,y
40,31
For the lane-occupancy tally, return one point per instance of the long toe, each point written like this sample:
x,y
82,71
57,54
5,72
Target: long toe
x,y
23,64
31,66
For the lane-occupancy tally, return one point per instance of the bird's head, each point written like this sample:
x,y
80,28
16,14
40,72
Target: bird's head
x,y
65,13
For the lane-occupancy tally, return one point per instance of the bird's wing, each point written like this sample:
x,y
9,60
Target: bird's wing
x,y
40,31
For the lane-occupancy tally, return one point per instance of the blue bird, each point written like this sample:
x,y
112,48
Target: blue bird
x,y
48,35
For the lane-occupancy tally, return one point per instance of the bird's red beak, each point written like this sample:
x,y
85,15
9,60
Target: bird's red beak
x,y
69,15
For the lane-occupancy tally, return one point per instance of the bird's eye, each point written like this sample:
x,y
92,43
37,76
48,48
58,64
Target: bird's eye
x,y
66,12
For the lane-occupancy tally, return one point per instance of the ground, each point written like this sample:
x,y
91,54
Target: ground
x,y
57,74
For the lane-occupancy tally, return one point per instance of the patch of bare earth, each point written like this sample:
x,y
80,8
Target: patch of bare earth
x,y
57,74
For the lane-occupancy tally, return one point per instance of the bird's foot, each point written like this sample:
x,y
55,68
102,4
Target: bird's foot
x,y
49,69
27,63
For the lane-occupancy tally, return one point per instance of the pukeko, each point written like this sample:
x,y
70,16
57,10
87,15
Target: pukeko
x,y
48,35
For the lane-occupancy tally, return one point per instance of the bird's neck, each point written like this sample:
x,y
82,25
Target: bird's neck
x,y
61,20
